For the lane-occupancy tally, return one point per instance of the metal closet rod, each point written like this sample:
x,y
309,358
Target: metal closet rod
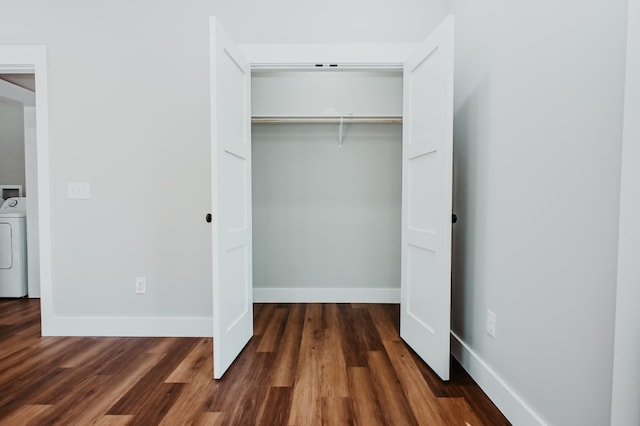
x,y
326,119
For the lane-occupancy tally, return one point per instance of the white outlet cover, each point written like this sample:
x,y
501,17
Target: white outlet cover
x,y
78,190
141,285
491,323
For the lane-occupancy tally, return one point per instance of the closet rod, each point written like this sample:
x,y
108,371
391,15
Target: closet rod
x,y
325,119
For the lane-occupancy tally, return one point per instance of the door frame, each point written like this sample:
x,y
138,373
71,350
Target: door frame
x,y
287,57
349,57
33,59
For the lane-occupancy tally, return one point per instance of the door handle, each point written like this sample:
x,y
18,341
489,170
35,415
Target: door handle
x,y
208,218
454,218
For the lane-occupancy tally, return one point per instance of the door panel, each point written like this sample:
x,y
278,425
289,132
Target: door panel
x,y
231,199
427,171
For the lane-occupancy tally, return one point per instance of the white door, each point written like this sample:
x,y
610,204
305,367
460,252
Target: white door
x,y
427,199
231,198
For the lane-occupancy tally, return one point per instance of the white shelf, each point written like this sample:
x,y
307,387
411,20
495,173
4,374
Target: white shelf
x,y
325,119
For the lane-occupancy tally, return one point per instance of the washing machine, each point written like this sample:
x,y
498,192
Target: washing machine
x,y
13,247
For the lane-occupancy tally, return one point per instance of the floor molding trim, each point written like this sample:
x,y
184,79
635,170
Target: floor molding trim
x,y
326,295
512,406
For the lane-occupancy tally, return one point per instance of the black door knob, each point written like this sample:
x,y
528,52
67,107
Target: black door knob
x,y
454,218
208,218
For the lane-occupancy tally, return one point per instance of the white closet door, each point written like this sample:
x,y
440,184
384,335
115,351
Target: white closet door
x,y
231,186
427,199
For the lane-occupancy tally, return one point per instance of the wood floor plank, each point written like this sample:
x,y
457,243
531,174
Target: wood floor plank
x,y
40,359
337,411
456,411
230,387
163,346
384,321
26,414
273,332
257,307
28,381
252,395
56,391
360,305
84,386
158,404
200,358
210,419
98,347
18,341
16,327
482,406
261,318
139,393
333,370
366,408
286,362
191,401
354,348
241,390
276,407
423,403
17,312
93,391
306,402
97,405
308,364
438,387
395,406
127,349
114,421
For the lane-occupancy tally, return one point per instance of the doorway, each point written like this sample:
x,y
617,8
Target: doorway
x,y
32,60
326,185
19,160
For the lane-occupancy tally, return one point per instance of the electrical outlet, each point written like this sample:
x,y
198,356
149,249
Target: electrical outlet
x,y
141,285
491,323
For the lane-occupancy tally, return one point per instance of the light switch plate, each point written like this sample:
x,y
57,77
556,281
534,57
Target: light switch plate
x,y
78,190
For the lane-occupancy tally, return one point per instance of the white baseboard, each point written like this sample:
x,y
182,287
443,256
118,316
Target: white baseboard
x,y
326,295
508,402
203,326
129,326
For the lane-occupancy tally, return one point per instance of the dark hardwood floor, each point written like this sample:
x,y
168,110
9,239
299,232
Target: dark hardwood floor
x,y
307,364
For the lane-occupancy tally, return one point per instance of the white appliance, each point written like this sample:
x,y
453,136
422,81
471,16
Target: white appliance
x,y
13,248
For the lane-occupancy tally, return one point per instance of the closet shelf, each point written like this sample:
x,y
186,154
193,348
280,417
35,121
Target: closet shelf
x,y
325,119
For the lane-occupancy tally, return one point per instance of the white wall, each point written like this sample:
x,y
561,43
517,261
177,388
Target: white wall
x,y
324,216
539,89
322,93
11,143
625,409
128,103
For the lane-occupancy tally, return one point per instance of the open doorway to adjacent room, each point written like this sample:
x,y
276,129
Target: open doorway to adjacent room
x,y
18,176
24,71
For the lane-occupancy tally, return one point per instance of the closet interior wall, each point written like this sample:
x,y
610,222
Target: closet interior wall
x,y
326,215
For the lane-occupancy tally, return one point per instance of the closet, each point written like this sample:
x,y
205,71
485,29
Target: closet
x,y
331,181
326,185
